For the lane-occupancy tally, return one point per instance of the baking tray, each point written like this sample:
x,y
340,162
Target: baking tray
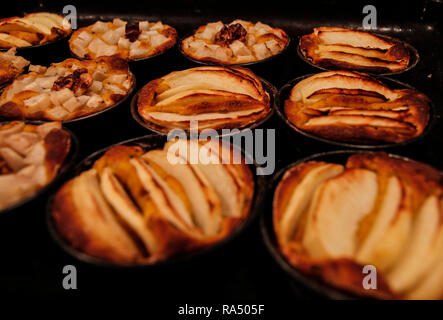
x,y
246,272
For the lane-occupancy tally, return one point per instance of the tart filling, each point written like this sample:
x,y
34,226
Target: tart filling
x,y
30,157
238,42
130,41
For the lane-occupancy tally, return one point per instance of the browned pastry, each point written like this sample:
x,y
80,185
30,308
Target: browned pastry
x,y
354,107
32,29
216,97
67,90
11,66
129,41
238,42
332,220
137,207
30,157
345,49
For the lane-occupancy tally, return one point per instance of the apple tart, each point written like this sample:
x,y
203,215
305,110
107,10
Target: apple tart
x,y
138,207
130,41
354,107
30,157
331,220
214,97
340,48
11,66
67,90
32,29
235,43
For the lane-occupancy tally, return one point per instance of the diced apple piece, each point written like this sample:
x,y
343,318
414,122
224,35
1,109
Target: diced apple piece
x,y
57,113
143,25
261,51
61,96
95,101
21,142
72,104
119,22
124,43
99,27
13,159
37,103
239,48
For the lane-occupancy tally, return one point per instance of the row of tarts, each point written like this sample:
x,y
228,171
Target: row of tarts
x,y
145,205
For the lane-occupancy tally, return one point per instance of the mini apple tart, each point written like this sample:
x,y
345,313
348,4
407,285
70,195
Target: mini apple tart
x,y
354,107
130,41
332,220
11,66
67,90
235,43
345,49
212,97
32,29
30,157
140,207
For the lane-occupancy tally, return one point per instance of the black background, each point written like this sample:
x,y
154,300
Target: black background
x,y
31,264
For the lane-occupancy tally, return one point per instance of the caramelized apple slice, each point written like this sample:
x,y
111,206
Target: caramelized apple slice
x,y
301,194
417,259
337,208
126,209
390,230
205,204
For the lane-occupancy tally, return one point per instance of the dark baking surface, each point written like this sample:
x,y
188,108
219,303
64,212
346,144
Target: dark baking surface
x,y
31,264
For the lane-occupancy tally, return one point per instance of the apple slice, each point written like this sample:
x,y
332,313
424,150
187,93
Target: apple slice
x,y
431,286
423,243
126,209
98,218
206,208
168,204
390,230
337,208
301,195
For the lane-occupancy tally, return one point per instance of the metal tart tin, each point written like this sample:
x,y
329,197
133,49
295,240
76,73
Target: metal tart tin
x,y
149,142
414,57
285,91
269,88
